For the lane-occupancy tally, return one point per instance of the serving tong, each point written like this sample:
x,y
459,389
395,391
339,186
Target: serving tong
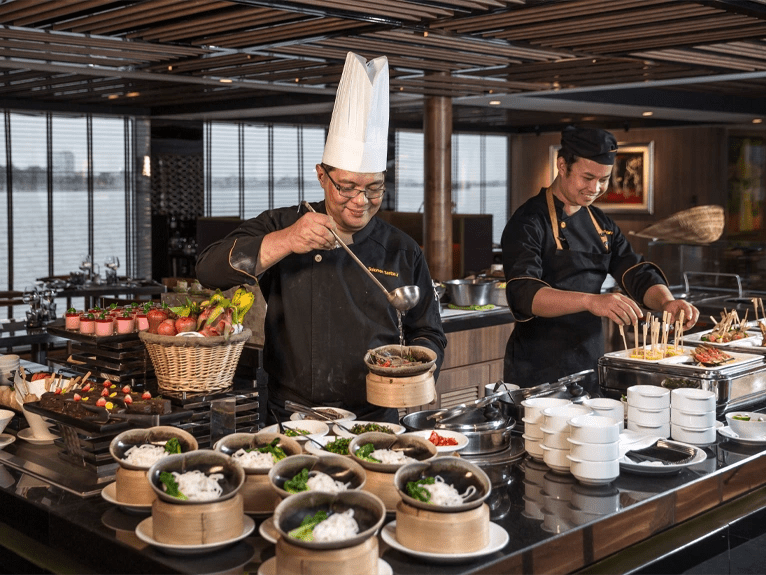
x,y
666,452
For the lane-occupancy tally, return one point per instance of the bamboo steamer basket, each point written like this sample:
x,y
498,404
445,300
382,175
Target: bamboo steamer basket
x,y
382,485
436,532
387,391
697,225
260,497
295,560
198,524
133,487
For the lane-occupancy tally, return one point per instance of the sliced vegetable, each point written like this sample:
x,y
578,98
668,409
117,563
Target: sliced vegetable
x,y
306,531
359,428
296,432
273,448
173,445
416,490
171,487
365,451
339,446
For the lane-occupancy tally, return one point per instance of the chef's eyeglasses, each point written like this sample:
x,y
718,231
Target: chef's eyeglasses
x,y
352,192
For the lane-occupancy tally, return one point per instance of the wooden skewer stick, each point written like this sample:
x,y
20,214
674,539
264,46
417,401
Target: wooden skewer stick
x,y
681,329
624,341
646,328
755,305
635,335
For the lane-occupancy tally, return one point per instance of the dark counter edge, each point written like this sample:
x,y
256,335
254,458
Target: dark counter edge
x,y
477,320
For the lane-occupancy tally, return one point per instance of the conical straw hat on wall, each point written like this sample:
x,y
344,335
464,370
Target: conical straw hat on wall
x,y
697,225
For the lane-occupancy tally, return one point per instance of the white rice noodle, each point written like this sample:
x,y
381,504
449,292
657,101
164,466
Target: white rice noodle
x,y
391,457
447,495
144,455
323,482
199,487
337,527
254,459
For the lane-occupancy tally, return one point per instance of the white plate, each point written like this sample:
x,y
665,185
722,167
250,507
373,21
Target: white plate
x,y
314,450
347,415
270,567
268,531
109,493
6,439
462,440
498,538
697,338
26,435
397,429
738,359
317,428
644,469
728,433
145,532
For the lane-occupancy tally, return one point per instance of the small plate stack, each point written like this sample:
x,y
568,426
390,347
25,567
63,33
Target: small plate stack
x,y
533,418
594,449
692,416
8,363
555,428
608,408
649,410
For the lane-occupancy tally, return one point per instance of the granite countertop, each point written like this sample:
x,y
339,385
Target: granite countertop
x,y
554,523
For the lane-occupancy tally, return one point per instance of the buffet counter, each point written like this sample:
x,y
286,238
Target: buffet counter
x,y
555,525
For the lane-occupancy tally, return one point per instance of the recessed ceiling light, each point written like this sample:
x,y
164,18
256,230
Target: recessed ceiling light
x,y
494,102
297,80
113,96
647,114
425,34
588,118
170,67
757,120
226,80
566,119
133,94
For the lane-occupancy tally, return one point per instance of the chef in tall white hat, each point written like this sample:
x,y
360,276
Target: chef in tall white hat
x,y
323,312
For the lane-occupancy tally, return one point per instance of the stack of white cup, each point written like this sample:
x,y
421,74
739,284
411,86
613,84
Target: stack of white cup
x,y
555,428
692,416
649,410
608,408
594,449
533,418
8,363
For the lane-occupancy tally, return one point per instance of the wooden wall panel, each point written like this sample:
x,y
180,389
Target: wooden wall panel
x,y
476,345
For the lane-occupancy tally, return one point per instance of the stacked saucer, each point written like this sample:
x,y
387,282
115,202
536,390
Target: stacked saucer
x,y
8,363
555,428
692,416
649,410
594,449
533,418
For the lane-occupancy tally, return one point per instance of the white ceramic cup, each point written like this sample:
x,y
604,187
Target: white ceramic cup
x,y
533,408
594,451
38,425
555,439
648,396
656,430
692,435
533,447
592,428
693,420
5,416
692,400
648,416
557,418
532,429
556,459
597,470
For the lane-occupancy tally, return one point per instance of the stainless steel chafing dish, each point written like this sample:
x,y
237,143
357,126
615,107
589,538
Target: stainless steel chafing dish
x,y
739,383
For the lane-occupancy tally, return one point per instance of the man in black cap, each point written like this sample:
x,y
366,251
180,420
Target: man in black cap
x,y
556,256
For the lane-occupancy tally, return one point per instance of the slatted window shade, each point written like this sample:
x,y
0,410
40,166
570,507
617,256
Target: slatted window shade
x,y
256,169
5,276
409,171
312,146
222,148
496,183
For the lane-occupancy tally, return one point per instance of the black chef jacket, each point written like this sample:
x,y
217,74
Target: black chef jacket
x,y
542,349
323,312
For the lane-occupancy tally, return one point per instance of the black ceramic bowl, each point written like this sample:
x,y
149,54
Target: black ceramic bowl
x,y
204,460
338,467
411,445
455,471
230,444
369,513
153,435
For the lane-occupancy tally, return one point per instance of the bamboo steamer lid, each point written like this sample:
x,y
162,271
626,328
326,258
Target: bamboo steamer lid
x,y
198,524
437,532
382,485
295,560
132,486
259,496
411,391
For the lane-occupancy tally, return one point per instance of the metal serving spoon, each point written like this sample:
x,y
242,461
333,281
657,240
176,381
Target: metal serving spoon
x,y
402,298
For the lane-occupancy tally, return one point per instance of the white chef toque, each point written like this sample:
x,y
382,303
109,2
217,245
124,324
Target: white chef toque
x,y
357,139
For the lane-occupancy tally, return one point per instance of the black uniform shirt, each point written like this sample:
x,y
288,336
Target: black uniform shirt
x,y
323,311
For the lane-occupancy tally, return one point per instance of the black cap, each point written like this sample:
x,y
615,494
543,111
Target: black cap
x,y
591,143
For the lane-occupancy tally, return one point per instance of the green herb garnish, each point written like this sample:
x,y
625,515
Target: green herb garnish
x,y
741,417
298,483
306,531
359,428
297,432
276,452
171,487
173,445
416,490
365,451
339,446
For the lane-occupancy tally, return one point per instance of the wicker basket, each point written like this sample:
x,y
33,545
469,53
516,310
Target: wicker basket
x,y
194,364
698,225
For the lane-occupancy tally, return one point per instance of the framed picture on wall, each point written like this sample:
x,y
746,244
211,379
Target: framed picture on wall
x,y
631,188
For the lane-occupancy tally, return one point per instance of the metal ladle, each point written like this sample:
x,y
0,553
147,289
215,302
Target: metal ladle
x,y
402,298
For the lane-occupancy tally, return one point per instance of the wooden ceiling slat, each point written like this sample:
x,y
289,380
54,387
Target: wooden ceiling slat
x,y
89,23
753,51
224,37
9,9
707,59
52,10
393,8
340,55
665,15
210,23
49,52
122,25
285,32
72,59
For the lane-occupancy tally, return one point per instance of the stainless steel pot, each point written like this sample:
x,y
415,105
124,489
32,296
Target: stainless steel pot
x,y
484,435
465,293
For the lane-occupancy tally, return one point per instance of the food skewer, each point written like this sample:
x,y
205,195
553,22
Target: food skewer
x,y
635,335
624,341
646,328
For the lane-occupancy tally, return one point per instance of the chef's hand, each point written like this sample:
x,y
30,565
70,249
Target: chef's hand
x,y
618,308
674,307
311,232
